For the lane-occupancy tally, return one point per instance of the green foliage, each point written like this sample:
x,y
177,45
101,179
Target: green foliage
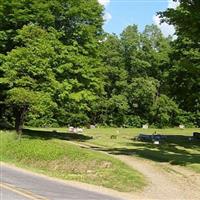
x,y
77,119
134,121
21,96
186,18
39,104
116,108
164,112
184,75
189,119
156,50
133,53
115,73
79,22
141,95
56,51
42,111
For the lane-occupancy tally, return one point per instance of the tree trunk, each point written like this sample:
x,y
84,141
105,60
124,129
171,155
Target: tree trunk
x,y
19,119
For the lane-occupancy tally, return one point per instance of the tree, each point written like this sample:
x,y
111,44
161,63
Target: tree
x,y
28,73
185,72
133,53
117,108
53,47
184,76
141,95
22,100
185,18
42,63
113,60
79,22
57,51
31,65
156,50
164,112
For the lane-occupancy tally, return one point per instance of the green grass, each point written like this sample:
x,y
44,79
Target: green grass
x,y
176,149
56,157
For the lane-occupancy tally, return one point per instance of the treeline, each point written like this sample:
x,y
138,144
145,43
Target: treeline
x,y
58,67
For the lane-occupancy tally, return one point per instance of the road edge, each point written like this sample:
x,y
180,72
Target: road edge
x,y
76,184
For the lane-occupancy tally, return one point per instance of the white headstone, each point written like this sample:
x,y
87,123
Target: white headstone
x,y
181,126
156,142
145,126
92,126
79,130
71,129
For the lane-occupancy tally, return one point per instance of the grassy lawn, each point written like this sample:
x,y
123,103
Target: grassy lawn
x,y
176,149
51,154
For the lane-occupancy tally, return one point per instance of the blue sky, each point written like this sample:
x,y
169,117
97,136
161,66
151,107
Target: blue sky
x,y
121,13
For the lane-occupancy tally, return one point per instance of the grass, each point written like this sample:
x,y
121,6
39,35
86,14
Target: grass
x,y
54,156
176,149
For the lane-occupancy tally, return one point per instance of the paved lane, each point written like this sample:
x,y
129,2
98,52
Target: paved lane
x,y
10,195
39,187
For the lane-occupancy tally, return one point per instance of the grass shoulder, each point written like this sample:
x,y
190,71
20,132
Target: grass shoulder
x,y
58,158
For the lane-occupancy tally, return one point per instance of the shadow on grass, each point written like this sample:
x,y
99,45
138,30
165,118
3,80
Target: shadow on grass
x,y
176,149
182,140
47,135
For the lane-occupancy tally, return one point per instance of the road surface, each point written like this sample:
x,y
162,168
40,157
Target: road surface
x,y
18,184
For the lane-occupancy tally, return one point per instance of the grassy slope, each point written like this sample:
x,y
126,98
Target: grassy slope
x,y
176,150
56,157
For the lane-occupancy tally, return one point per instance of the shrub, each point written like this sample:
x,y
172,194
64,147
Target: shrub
x,y
78,119
164,112
186,118
134,121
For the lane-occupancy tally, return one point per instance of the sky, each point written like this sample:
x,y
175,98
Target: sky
x,y
121,13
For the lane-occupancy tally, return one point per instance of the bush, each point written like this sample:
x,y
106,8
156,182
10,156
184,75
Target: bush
x,y
78,119
42,122
4,124
164,112
134,121
188,119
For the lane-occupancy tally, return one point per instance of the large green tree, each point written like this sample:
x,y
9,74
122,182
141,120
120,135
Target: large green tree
x,y
58,67
28,70
43,63
156,50
79,21
22,100
185,58
185,18
133,53
52,47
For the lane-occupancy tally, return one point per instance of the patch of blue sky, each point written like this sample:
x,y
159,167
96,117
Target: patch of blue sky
x,y
120,14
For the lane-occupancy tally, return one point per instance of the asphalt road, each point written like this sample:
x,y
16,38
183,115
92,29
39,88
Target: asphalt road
x,y
10,195
22,185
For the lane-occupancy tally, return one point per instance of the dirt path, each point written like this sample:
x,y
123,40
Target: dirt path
x,y
166,182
